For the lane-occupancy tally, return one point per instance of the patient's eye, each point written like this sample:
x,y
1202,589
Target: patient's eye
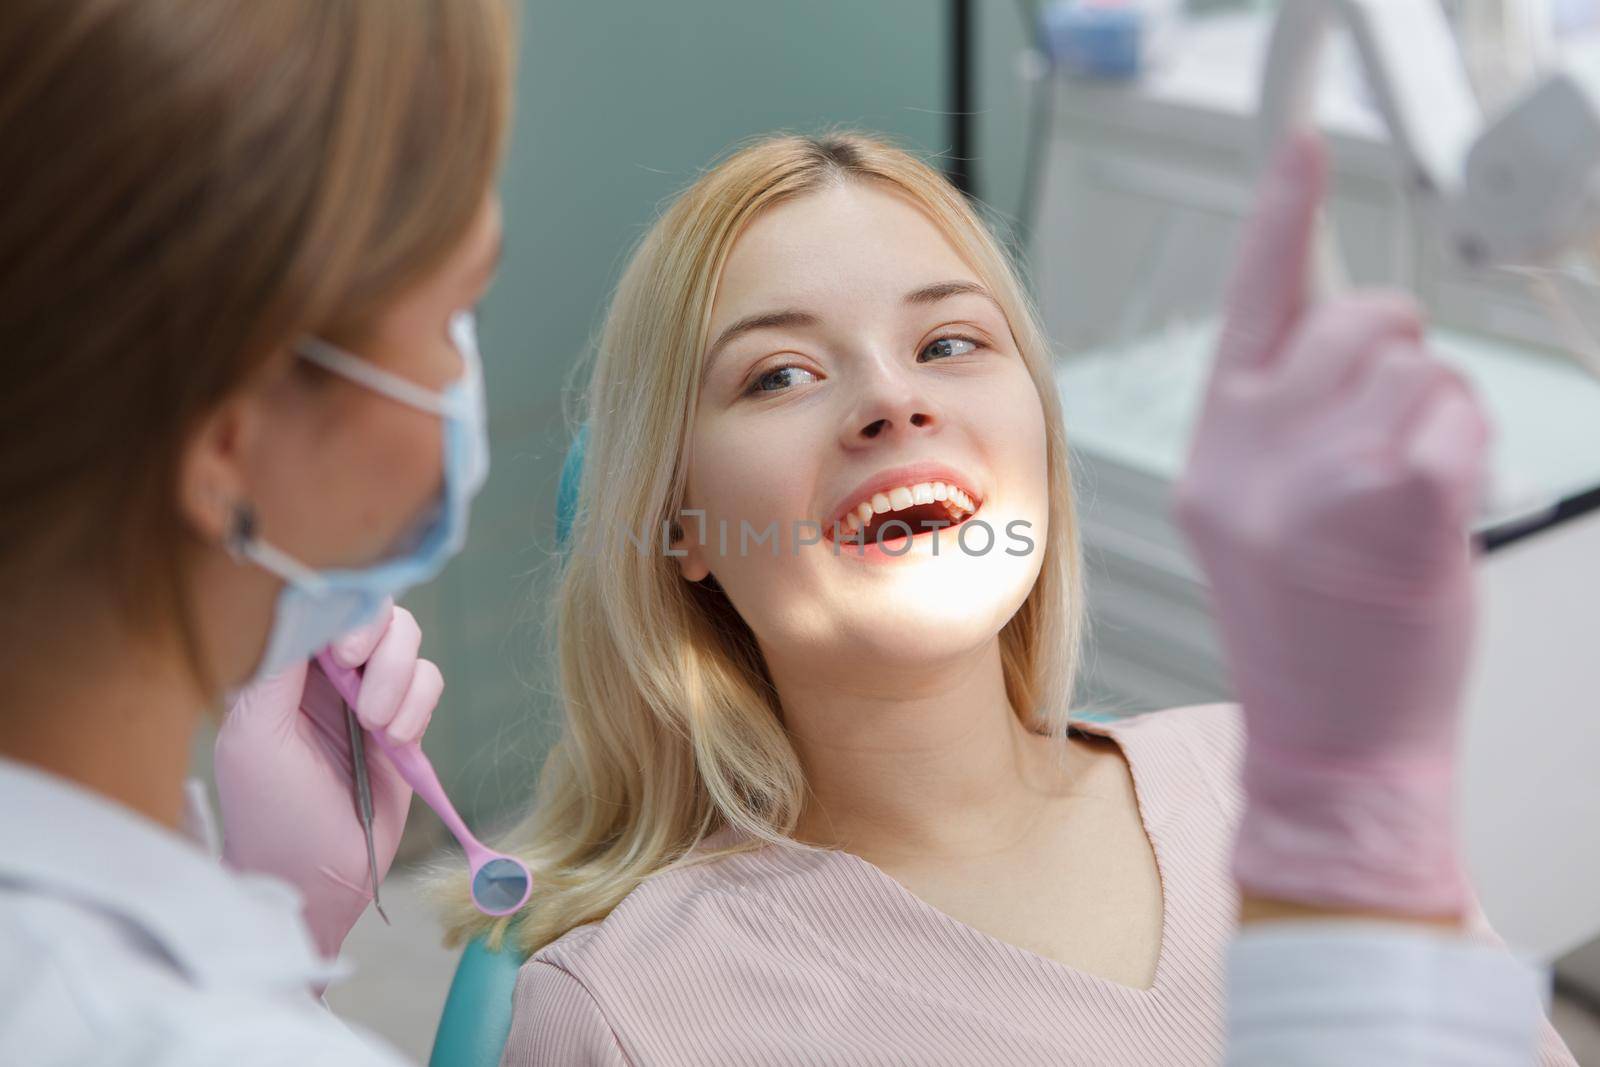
x,y
779,378
948,346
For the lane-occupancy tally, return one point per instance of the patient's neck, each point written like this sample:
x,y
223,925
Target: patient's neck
x,y
925,760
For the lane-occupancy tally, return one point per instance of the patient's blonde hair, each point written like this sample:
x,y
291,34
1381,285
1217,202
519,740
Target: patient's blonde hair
x,y
672,728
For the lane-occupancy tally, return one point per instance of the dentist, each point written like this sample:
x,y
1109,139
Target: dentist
x,y
240,245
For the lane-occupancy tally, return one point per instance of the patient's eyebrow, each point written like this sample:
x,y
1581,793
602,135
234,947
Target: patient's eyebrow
x,y
932,294
765,320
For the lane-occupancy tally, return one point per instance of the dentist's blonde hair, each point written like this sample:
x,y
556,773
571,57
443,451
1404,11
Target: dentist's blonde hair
x,y
672,727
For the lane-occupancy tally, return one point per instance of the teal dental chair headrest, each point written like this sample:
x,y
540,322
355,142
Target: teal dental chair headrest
x,y
567,491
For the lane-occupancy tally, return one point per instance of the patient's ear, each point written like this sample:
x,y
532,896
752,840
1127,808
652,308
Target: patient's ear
x,y
688,548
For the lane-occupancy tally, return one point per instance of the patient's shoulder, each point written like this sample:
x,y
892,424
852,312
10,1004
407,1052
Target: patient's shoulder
x,y
695,935
569,948
675,913
555,1019
1208,739
1215,731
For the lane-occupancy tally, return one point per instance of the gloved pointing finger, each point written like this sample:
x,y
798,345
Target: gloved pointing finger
x,y
1268,290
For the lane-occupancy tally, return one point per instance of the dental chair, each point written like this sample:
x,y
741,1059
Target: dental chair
x,y
477,1011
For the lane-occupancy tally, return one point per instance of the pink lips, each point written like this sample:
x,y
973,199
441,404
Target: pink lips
x,y
894,477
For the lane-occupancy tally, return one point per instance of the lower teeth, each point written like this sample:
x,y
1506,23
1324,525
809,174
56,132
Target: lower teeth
x,y
958,515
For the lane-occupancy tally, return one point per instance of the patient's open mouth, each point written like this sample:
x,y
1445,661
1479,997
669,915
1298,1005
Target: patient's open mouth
x,y
888,516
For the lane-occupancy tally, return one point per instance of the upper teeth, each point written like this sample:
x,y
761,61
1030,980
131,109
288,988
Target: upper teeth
x,y
956,501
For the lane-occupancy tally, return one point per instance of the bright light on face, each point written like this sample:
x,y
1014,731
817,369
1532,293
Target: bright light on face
x,y
858,367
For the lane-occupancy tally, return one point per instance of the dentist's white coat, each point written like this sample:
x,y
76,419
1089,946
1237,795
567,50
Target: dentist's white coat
x,y
122,942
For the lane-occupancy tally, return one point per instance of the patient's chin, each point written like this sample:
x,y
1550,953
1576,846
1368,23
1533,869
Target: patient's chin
x,y
908,634
851,616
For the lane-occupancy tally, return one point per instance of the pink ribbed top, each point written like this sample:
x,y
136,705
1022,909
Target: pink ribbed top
x,y
800,956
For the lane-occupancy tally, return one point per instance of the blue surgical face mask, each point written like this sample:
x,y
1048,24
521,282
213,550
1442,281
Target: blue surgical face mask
x,y
316,607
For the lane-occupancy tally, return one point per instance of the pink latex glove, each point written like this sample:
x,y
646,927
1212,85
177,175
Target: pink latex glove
x,y
284,774
1329,491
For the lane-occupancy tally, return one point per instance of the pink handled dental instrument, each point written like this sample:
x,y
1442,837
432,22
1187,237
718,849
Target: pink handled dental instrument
x,y
500,884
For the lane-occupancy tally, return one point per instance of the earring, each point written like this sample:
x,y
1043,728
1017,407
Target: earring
x,y
241,529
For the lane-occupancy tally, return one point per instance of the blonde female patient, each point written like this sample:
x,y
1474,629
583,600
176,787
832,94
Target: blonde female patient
x,y
819,795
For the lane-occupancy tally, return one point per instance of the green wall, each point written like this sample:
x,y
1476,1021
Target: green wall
x,y
619,105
